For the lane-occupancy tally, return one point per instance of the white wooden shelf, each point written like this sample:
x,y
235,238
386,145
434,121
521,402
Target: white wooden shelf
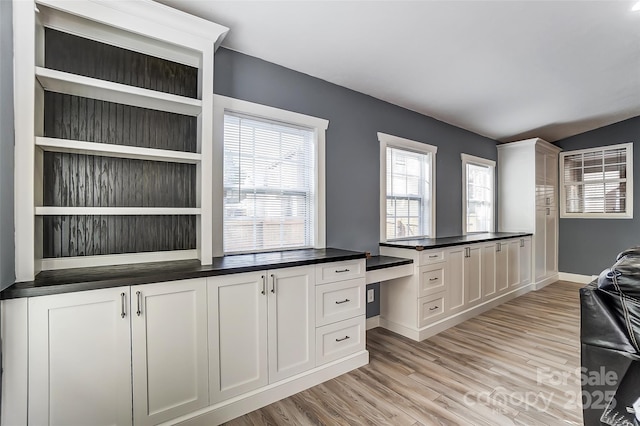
x,y
87,87
118,151
115,211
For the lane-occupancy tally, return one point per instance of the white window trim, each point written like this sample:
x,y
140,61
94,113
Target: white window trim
x,y
224,103
478,161
563,203
398,142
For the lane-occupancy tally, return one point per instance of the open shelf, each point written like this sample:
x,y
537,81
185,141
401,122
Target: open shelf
x,y
86,87
115,211
118,151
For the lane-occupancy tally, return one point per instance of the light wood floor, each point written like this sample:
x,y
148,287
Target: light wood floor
x,y
516,364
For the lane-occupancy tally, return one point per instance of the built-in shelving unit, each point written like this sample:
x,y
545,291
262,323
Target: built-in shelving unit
x,y
114,139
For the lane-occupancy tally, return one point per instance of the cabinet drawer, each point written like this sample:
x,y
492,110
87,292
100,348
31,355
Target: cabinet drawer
x,y
339,301
430,308
431,279
431,256
343,338
340,271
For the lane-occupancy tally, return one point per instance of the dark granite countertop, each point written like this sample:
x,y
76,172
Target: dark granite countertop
x,y
430,243
79,279
381,262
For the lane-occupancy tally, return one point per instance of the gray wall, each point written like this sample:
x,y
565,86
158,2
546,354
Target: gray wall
x,y
587,246
7,270
352,147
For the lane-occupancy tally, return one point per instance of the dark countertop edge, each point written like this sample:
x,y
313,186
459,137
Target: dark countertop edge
x,y
387,262
454,243
45,290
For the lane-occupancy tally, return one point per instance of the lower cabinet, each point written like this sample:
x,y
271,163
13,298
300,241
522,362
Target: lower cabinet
x,y
85,347
261,329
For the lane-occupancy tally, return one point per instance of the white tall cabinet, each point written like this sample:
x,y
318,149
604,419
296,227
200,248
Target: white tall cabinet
x,y
528,200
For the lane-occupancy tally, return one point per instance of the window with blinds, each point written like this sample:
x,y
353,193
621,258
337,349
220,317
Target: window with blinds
x,y
409,193
597,182
479,197
268,185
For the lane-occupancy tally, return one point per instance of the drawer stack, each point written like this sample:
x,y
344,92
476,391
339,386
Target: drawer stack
x,y
432,289
340,309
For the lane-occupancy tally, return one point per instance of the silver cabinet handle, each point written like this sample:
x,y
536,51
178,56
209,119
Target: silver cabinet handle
x,y
344,338
521,242
343,301
433,279
433,256
548,211
498,247
264,285
138,297
124,301
339,271
273,283
548,201
434,308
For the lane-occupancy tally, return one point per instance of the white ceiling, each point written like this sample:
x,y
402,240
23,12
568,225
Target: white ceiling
x,y
504,69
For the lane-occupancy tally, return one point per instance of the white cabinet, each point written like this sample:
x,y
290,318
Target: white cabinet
x,y
169,350
525,260
464,278
261,328
502,268
473,275
528,200
513,274
89,344
489,283
80,358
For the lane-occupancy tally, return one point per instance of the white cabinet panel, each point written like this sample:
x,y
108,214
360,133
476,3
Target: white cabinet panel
x,y
432,256
291,321
540,239
337,340
169,342
525,261
551,241
237,334
80,358
455,279
340,271
502,265
431,308
473,276
339,301
432,279
488,271
514,262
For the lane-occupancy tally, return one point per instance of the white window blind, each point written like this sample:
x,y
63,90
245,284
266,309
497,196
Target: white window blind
x,y
596,182
480,182
409,194
268,185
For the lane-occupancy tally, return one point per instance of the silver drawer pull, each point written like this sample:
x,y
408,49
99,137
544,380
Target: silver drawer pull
x,y
138,297
433,279
434,308
338,302
344,338
433,256
338,271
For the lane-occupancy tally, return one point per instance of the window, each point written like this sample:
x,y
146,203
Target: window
x,y
597,182
273,190
477,194
407,185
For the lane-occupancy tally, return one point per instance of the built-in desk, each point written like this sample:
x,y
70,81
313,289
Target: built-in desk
x,y
383,268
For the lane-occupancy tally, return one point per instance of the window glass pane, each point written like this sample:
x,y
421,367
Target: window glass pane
x,y
604,173
269,182
408,193
479,198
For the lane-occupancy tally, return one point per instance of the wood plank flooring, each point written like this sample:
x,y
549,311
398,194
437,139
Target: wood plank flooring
x,y
516,364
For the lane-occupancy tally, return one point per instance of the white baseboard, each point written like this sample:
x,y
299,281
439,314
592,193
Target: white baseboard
x,y
545,282
238,406
437,327
576,278
373,322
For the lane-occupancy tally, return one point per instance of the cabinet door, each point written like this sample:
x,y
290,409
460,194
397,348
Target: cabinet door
x,y
502,267
169,344
291,320
80,358
551,241
513,269
455,279
237,334
488,271
472,275
540,244
525,261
